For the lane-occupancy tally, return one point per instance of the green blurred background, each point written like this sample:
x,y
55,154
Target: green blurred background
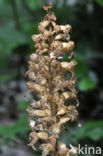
x,y
18,21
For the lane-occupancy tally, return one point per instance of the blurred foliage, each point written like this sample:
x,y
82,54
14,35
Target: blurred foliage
x,y
8,77
20,126
100,2
86,84
10,132
3,62
92,130
82,68
18,21
10,38
23,105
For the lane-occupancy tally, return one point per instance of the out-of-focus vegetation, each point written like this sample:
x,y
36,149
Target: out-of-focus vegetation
x,y
18,21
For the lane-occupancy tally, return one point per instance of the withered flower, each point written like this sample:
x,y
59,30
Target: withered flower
x,y
51,112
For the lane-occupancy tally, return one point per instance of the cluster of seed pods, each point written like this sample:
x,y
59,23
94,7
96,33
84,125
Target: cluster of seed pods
x,y
57,96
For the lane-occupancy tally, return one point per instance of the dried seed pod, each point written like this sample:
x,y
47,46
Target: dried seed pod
x,y
73,151
66,29
39,113
61,111
46,73
63,120
67,47
31,75
39,127
33,57
63,150
47,148
32,124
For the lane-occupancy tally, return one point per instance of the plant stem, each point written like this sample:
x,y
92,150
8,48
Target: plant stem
x,y
31,12
15,14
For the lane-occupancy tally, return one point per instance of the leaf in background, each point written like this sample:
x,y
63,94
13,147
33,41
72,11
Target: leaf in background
x,y
3,61
10,38
21,125
86,84
30,29
92,130
32,4
7,132
8,77
82,67
95,134
35,28
10,132
23,105
5,12
26,27
100,2
68,136
8,1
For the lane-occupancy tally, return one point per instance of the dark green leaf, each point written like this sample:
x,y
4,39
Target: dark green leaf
x,y
7,132
86,84
100,2
10,38
23,105
8,77
10,132
92,130
21,125
3,61
32,4
82,67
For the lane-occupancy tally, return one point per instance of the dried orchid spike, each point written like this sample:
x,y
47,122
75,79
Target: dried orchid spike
x,y
57,95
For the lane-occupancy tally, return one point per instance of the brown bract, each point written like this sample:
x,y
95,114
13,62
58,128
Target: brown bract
x,y
57,96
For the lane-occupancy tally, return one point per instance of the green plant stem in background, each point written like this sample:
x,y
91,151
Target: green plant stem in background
x,y
15,14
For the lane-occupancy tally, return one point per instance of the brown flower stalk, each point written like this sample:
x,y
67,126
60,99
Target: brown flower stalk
x,y
57,95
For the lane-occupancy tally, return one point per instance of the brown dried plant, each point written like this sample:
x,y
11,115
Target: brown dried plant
x,y
57,95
